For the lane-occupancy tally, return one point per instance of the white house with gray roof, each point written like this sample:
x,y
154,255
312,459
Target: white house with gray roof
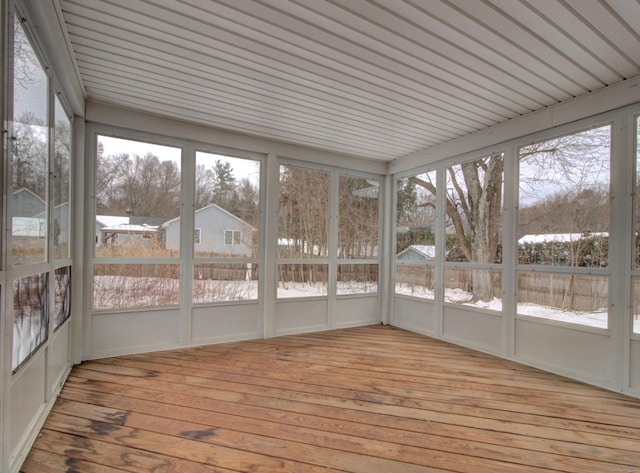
x,y
216,232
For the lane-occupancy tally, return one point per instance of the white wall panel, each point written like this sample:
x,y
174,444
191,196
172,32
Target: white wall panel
x,y
416,315
353,311
214,324
296,316
634,378
580,354
473,328
27,401
59,358
129,332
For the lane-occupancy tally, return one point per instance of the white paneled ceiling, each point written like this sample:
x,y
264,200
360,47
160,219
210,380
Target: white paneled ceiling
x,y
378,79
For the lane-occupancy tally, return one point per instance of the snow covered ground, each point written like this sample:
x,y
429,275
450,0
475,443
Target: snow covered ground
x,y
596,318
119,292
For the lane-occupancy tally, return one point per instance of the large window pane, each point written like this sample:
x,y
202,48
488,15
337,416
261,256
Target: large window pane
x,y
29,158
225,282
138,197
474,214
30,317
358,224
415,235
416,281
304,213
357,279
61,184
578,299
302,280
227,204
563,216
415,217
121,286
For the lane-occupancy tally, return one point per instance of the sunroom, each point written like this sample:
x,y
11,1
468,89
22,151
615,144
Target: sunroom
x,y
453,176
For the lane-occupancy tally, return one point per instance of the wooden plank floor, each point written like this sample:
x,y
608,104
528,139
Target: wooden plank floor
x,y
368,400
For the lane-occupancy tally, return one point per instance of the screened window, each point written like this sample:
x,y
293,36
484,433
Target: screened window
x,y
217,282
563,223
358,229
474,213
358,208
227,217
29,154
303,233
473,205
61,184
227,206
302,280
415,235
563,217
138,198
357,279
138,195
123,286
304,213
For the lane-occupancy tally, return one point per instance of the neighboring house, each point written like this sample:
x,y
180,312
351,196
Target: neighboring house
x,y
216,232
417,253
28,222
26,203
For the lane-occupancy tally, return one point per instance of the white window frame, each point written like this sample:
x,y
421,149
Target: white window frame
x,y
234,241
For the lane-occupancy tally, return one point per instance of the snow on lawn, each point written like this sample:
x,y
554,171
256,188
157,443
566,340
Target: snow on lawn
x,y
597,318
287,290
121,292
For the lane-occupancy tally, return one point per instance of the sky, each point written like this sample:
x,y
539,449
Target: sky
x,y
241,167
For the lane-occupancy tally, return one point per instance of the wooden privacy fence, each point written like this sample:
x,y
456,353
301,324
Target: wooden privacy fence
x,y
562,291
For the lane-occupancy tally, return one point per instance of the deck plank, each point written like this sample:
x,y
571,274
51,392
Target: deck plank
x,y
366,399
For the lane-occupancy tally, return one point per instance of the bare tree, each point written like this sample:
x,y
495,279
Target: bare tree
x,y
304,222
577,165
473,207
141,185
304,211
358,223
247,202
205,186
30,154
108,178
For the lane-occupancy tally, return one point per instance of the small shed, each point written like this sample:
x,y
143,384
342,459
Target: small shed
x,y
105,221
128,234
417,253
